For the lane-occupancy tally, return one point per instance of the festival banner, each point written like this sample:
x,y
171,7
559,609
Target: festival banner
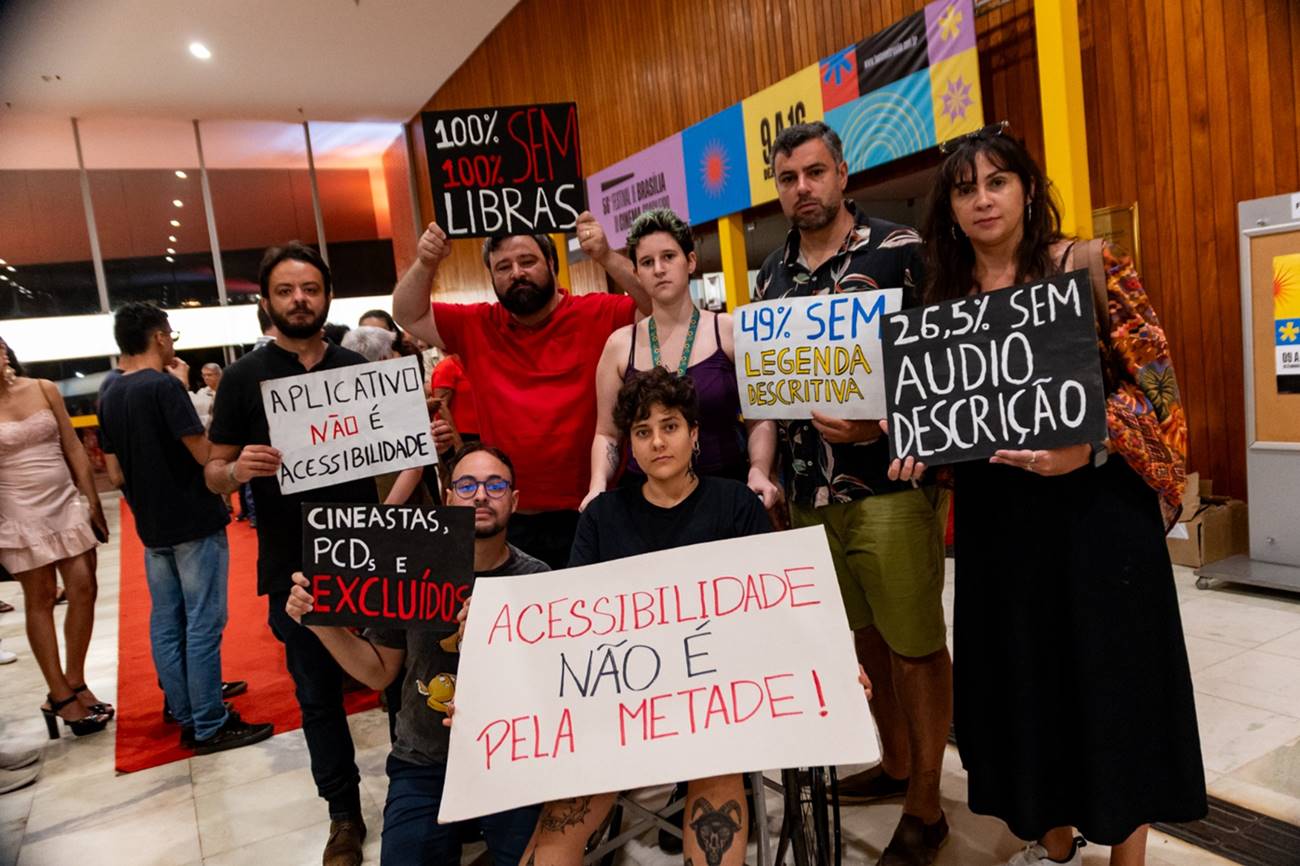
x,y
698,661
796,99
1286,322
652,178
513,169
390,566
1012,369
348,422
717,168
823,353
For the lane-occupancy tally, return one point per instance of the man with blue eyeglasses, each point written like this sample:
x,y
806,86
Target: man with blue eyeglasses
x,y
482,477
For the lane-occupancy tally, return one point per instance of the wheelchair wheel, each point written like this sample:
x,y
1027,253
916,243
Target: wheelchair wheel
x,y
811,825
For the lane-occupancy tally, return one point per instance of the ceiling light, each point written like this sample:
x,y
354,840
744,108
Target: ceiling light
x,y
11,269
199,50
178,203
182,175
3,262
3,277
171,251
79,374
172,238
176,223
169,258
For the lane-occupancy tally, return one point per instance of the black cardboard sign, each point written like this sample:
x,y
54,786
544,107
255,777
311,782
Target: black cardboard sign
x,y
1013,369
505,169
393,566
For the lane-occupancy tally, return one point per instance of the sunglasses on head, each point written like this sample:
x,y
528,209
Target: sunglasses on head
x,y
993,130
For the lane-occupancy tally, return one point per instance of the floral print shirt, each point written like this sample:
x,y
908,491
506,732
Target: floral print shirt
x,y
875,255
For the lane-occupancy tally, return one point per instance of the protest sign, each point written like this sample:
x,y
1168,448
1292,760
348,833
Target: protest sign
x,y
697,661
1012,369
348,422
511,169
394,566
822,353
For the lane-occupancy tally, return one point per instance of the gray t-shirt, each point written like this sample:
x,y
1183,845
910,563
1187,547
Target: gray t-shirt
x,y
431,677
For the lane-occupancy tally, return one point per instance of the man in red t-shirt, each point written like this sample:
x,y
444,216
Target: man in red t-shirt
x,y
532,359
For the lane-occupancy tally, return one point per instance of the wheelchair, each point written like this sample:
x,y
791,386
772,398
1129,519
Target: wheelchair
x,y
810,821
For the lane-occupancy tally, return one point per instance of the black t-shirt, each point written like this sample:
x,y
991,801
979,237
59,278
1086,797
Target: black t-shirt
x,y
239,419
141,420
430,682
622,523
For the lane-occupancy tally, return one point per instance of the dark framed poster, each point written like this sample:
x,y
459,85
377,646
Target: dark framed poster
x,y
513,169
1018,368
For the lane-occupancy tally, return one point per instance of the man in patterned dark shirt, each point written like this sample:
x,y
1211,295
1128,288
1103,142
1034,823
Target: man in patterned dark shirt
x,y
886,537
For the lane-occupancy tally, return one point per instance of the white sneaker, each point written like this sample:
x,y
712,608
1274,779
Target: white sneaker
x,y
7,657
1036,855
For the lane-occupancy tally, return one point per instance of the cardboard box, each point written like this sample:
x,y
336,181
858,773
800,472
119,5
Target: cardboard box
x,y
1218,530
1191,497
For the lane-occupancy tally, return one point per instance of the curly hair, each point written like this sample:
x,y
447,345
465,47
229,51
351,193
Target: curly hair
x,y
657,387
660,219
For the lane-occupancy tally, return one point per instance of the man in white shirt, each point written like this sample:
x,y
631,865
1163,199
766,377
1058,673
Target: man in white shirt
x,y
204,397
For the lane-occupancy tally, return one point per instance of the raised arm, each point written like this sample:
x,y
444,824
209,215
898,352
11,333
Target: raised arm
x,y
591,237
376,666
604,445
411,307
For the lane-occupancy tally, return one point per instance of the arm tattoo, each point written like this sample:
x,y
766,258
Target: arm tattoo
x,y
611,456
562,814
715,829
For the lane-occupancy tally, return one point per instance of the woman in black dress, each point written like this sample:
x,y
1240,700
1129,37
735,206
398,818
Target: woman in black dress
x,y
1073,699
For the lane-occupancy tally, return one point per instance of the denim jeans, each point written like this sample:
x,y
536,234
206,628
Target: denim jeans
x,y
187,583
318,685
413,836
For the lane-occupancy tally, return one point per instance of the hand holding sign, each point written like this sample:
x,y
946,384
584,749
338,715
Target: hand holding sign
x,y
591,237
433,246
256,461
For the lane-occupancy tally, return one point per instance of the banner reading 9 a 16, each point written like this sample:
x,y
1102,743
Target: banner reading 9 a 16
x,y
507,169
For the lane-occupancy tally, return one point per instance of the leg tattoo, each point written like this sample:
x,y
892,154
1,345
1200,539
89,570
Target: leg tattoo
x,y
562,814
715,829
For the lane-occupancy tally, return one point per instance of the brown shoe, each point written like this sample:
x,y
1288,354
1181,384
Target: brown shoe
x,y
344,845
871,785
915,843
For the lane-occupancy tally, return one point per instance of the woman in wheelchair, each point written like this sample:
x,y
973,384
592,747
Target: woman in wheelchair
x,y
657,412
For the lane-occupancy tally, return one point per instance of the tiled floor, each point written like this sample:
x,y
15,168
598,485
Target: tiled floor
x,y
257,805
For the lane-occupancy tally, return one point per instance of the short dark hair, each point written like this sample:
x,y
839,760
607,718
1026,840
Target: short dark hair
x,y
335,332
473,447
13,360
544,243
298,251
134,323
655,386
263,320
661,219
389,323
793,136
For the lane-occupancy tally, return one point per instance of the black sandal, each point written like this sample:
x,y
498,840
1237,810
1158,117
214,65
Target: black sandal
x,y
91,724
95,709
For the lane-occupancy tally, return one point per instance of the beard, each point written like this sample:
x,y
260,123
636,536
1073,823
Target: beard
x,y
524,297
818,219
297,330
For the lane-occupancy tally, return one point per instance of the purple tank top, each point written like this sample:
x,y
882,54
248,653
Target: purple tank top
x,y
722,434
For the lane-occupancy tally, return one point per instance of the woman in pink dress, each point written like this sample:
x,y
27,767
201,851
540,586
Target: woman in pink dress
x,y
45,526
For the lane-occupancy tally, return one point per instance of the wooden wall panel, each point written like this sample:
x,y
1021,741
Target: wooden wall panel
x,y
1190,108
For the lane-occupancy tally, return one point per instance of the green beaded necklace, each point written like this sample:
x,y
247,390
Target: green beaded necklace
x,y
686,349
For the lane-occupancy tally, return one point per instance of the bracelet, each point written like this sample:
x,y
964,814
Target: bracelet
x,y
230,473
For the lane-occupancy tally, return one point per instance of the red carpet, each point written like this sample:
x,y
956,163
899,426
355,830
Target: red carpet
x,y
248,652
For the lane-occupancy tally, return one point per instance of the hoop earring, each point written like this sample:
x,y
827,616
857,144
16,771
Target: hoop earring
x,y
1029,212
10,376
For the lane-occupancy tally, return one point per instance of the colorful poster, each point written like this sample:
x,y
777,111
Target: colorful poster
x,y
954,68
839,78
888,123
895,52
717,171
698,661
796,99
652,178
1286,322
795,356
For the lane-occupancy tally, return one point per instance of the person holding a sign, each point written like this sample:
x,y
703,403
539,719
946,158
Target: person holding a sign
x,y
426,661
1074,703
532,358
886,535
295,287
658,412
663,255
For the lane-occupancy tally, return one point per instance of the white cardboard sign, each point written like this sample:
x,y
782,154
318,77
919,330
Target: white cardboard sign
x,y
348,422
820,353
698,661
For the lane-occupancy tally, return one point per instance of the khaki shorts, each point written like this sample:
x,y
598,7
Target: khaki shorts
x,y
889,553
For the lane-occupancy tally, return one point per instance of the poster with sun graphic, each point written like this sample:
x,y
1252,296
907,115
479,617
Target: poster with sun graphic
x,y
1286,322
717,172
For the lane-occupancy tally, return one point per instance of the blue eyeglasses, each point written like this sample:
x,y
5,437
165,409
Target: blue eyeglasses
x,y
466,487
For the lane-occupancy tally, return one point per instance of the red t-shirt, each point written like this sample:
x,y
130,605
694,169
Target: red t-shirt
x,y
536,387
449,374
